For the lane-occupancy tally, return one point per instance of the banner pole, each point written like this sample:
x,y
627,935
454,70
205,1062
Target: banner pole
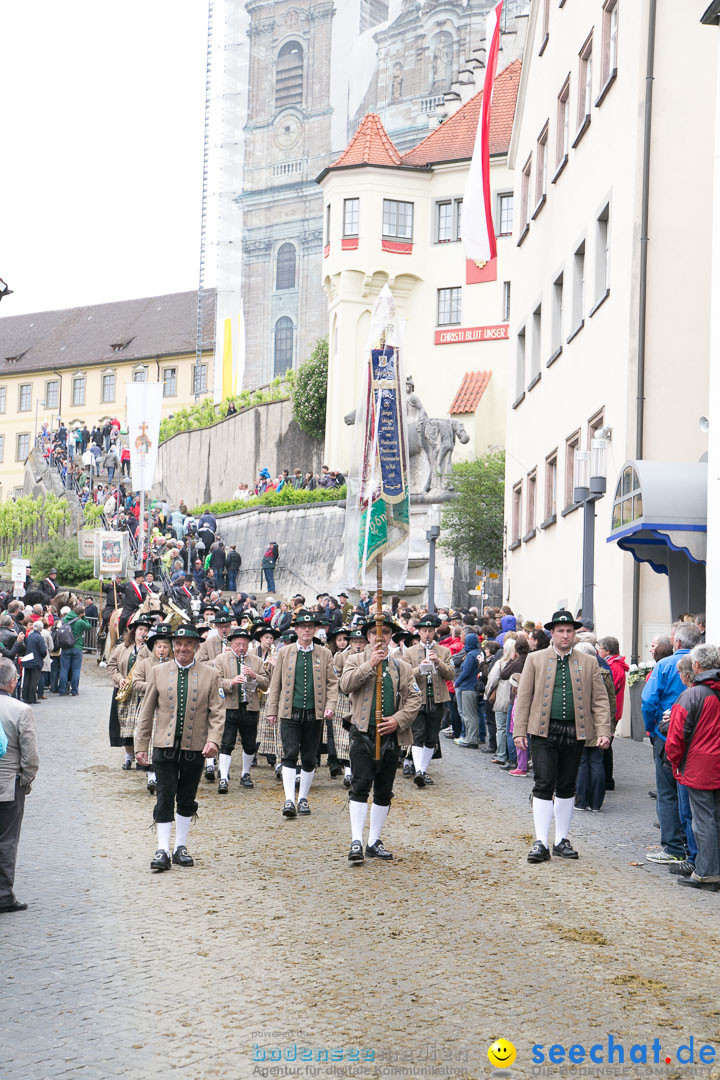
x,y
378,640
141,534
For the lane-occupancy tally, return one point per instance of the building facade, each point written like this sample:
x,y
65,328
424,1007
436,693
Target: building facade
x,y
315,69
602,340
74,363
397,219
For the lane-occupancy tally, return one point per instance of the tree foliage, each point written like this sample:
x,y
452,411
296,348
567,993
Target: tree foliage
x,y
473,522
309,393
63,555
25,522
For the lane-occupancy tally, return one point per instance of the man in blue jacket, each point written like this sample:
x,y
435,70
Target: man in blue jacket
x,y
466,695
661,691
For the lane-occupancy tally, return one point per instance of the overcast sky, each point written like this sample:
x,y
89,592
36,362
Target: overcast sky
x,y
101,137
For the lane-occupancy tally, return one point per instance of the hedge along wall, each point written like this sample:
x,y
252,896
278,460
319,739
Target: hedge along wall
x,y
207,464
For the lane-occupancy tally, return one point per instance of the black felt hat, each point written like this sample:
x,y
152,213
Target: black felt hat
x,y
563,618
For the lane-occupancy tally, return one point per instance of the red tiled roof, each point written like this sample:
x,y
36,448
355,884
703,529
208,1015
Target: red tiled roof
x,y
472,388
370,145
454,139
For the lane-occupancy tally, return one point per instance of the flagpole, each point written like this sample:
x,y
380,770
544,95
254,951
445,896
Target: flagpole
x,y
378,640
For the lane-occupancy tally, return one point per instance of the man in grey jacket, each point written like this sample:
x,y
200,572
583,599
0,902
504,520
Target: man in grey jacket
x,y
18,767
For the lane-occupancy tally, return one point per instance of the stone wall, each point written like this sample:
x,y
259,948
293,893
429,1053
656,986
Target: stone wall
x,y
310,540
207,464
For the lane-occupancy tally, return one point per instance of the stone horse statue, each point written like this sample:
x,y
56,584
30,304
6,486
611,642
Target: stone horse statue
x,y
433,437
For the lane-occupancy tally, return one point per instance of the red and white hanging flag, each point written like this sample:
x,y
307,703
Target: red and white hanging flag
x,y
478,231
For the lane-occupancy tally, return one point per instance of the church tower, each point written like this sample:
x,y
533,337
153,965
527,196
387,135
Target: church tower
x,y
287,142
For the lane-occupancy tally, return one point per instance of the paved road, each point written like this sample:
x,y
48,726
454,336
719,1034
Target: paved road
x,y
273,940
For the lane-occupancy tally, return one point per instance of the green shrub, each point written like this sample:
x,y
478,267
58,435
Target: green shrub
x,y
309,392
90,585
287,497
62,554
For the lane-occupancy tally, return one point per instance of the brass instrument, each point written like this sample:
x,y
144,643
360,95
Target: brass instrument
x,y
177,616
126,689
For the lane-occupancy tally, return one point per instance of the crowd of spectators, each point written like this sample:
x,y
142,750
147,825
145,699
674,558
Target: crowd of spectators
x,y
299,480
45,646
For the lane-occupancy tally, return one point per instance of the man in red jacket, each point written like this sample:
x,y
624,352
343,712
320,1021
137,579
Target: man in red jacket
x,y
693,749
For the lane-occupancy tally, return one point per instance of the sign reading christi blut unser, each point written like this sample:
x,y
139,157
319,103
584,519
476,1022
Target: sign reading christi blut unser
x,y
456,334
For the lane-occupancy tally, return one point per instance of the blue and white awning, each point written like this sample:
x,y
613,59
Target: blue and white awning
x,y
661,507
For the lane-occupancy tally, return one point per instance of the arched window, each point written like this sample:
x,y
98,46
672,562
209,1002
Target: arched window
x,y
285,271
289,75
283,345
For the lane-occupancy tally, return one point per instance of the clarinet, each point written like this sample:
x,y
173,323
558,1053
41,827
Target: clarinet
x,y
429,677
243,685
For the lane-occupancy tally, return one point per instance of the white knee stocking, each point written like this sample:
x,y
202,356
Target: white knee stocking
x,y
247,762
358,813
288,775
417,756
563,817
164,828
182,830
427,754
377,820
543,815
224,762
306,779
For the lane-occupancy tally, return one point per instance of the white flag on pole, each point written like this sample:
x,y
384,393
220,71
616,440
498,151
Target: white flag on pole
x,y
144,405
478,231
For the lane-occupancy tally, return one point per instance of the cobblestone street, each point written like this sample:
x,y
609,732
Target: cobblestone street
x,y
272,939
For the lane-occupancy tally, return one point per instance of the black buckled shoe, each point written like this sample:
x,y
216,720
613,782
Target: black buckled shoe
x,y
303,807
336,770
223,787
289,809
356,852
126,766
347,781
565,850
538,852
245,780
278,772
377,851
152,786
419,779
408,768
181,857
210,775
160,861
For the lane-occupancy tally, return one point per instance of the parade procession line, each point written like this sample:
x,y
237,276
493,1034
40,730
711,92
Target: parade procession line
x,y
273,944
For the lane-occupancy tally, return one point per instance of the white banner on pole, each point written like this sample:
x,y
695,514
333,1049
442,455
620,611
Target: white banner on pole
x,y
144,405
111,553
18,570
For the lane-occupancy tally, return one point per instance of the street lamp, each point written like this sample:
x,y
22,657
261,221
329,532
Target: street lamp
x,y
590,484
431,536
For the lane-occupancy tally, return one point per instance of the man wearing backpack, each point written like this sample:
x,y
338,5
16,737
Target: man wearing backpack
x,y
71,655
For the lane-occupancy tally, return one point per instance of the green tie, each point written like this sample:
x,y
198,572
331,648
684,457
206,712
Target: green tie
x,y
388,696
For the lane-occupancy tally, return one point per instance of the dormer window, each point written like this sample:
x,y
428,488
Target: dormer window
x,y
118,346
